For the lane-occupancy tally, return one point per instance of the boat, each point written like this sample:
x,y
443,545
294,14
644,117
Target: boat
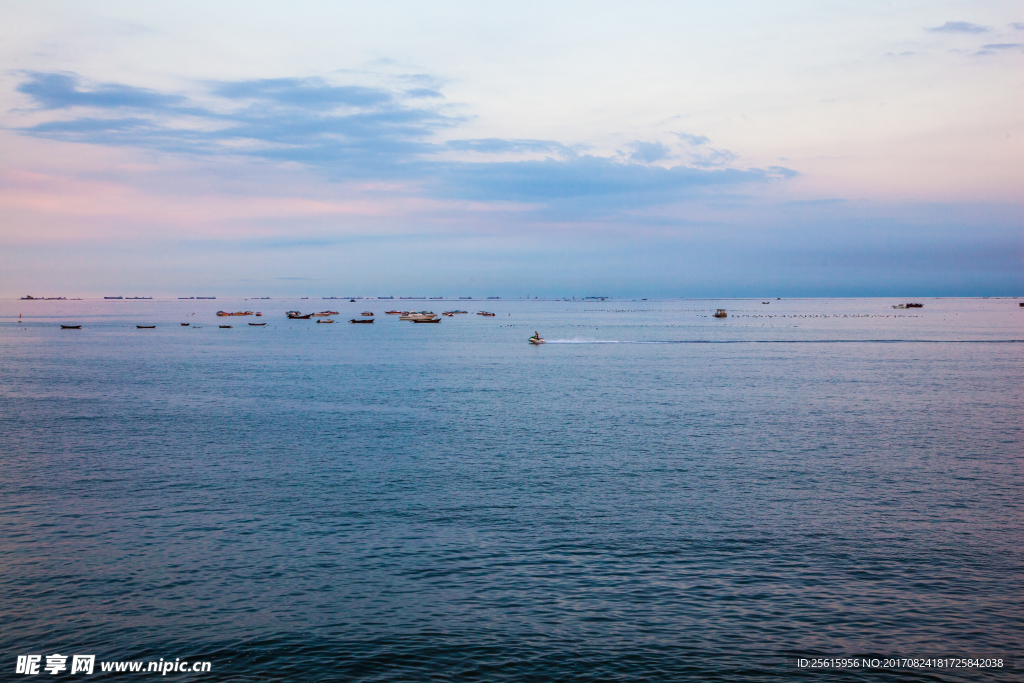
x,y
325,320
448,313
225,327
764,302
351,301
536,339
426,320
357,320
720,313
185,324
70,327
915,305
392,312
324,314
256,324
485,313
296,315
259,314
145,327
367,313
900,306
417,316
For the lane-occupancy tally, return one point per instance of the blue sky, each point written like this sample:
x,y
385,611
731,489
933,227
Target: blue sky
x,y
657,148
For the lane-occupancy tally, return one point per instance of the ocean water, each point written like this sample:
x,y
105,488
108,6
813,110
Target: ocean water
x,y
652,495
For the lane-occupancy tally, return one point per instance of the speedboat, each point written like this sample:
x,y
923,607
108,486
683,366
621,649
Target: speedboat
x,y
325,320
720,313
368,314
485,313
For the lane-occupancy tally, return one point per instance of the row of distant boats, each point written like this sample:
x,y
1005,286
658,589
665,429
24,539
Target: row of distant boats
x,y
367,316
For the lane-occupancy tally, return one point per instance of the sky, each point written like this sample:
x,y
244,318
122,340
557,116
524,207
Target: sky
x,y
661,149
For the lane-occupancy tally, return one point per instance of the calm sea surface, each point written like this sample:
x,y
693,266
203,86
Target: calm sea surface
x,y
655,495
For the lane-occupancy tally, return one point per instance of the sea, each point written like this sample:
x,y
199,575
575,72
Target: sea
x,y
806,489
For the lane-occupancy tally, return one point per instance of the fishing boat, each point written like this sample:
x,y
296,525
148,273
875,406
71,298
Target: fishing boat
x,y
363,320
324,314
325,320
259,314
256,324
536,339
295,315
448,313
70,327
185,324
369,314
915,305
486,313
900,306
225,327
720,313
426,320
392,312
418,316
145,327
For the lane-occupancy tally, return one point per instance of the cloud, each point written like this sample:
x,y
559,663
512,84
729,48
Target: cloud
x,y
307,93
1002,46
423,92
367,134
714,157
958,27
501,145
648,152
61,91
694,140
1017,25
586,176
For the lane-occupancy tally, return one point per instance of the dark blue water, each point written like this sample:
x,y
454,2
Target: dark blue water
x,y
400,502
